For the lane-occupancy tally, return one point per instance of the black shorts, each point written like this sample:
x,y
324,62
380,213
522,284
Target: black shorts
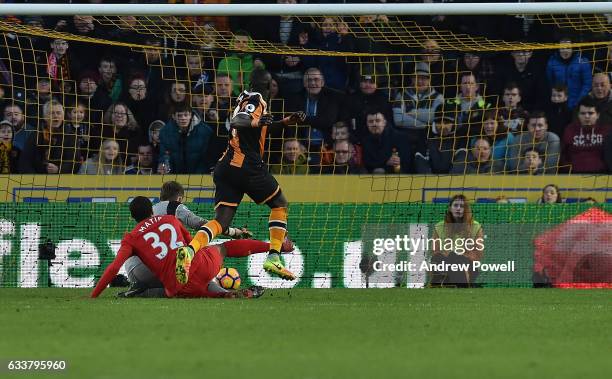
x,y
231,183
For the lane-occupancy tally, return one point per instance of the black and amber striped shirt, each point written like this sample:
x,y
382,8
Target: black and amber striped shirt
x,y
247,144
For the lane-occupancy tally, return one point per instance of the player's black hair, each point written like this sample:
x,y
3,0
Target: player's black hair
x,y
171,190
141,208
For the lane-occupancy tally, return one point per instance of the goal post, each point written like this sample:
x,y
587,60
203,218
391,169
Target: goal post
x,y
309,9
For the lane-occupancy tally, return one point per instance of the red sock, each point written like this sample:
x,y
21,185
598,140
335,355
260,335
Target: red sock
x,y
244,248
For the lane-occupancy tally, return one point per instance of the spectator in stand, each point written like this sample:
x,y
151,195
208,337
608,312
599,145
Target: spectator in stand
x,y
294,159
340,132
36,100
468,107
13,113
51,150
414,110
569,67
185,137
58,63
240,63
442,71
202,100
286,30
321,108
583,141
7,152
531,163
277,29
602,96
120,125
550,195
381,152
200,70
458,224
221,110
528,73
536,137
558,113
87,134
139,100
154,129
498,135
440,148
150,65
85,26
175,95
223,100
368,97
110,87
146,164
87,83
512,113
277,102
327,38
377,65
477,161
483,68
343,160
108,161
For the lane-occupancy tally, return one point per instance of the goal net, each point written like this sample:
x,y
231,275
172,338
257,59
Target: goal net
x,y
403,113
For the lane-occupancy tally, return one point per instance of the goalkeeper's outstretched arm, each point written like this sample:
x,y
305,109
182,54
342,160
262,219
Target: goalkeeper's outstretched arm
x,y
192,220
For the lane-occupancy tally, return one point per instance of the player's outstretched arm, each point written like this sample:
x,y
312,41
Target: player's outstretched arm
x,y
111,271
187,217
238,233
292,119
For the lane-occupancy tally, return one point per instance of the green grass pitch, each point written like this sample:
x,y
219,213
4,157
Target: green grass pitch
x,y
302,333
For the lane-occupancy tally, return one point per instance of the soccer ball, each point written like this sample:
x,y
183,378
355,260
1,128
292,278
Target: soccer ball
x,y
229,278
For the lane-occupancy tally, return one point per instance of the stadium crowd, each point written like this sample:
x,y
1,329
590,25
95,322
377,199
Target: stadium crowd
x,y
70,106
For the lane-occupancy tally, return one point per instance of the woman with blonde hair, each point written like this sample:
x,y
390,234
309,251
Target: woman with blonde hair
x,y
459,227
106,162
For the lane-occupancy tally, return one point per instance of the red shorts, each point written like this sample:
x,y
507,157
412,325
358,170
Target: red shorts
x,y
204,267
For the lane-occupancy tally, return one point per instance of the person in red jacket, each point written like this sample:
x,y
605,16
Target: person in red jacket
x,y
155,240
583,141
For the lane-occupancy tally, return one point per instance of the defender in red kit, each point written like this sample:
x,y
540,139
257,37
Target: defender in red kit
x,y
155,240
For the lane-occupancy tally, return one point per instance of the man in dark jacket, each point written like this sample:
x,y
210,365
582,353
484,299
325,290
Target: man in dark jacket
x,y
381,153
321,108
356,105
185,138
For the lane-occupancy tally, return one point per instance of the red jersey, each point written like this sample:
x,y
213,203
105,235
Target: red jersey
x,y
154,241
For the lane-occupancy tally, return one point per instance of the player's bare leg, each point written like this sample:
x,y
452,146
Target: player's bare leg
x,y
223,218
277,225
